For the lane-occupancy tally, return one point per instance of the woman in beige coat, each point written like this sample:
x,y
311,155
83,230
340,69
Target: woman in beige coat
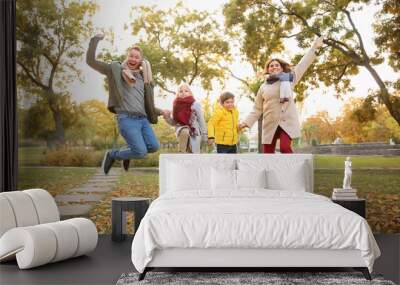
x,y
279,122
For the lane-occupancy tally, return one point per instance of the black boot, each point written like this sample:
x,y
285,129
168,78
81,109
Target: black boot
x,y
107,162
125,164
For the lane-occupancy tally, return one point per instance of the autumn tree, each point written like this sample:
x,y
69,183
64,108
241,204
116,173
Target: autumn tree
x,y
182,45
49,35
387,29
319,127
37,122
97,124
265,24
354,126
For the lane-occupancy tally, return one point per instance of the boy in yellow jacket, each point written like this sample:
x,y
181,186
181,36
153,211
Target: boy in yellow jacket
x,y
223,124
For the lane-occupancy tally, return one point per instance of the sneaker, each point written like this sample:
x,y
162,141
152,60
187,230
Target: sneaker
x,y
125,164
107,162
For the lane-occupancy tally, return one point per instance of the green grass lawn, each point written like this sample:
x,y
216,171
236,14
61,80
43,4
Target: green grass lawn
x,y
384,181
56,180
361,161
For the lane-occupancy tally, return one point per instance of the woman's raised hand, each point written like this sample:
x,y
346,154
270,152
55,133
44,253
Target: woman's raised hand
x,y
318,42
100,36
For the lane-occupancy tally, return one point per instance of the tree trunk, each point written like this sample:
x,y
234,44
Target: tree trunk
x,y
391,102
259,126
58,136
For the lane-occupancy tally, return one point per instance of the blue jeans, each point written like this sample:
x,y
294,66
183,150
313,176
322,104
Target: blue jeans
x,y
139,136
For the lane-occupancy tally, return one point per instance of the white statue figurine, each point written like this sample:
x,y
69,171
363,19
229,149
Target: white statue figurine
x,y
347,174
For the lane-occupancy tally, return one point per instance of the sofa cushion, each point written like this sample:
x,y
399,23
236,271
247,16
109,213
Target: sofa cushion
x,y
23,208
46,207
7,215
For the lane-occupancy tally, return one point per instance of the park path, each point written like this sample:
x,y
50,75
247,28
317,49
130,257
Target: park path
x,y
78,201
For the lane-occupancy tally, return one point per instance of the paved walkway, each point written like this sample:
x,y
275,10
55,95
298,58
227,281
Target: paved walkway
x,y
77,202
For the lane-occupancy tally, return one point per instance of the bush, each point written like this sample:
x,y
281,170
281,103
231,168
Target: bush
x,y
31,143
81,156
151,160
101,144
73,156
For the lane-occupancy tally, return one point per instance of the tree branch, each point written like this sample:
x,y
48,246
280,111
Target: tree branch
x,y
233,75
163,87
351,54
292,36
34,80
195,66
337,79
331,67
46,56
363,51
344,48
35,69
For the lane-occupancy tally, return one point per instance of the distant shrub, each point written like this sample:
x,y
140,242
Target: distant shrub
x,y
73,156
89,157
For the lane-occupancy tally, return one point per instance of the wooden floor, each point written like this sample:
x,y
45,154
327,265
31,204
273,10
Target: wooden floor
x,y
111,259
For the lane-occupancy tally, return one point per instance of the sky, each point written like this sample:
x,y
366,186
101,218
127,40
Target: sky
x,y
114,14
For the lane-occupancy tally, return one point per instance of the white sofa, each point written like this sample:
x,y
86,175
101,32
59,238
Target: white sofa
x,y
31,231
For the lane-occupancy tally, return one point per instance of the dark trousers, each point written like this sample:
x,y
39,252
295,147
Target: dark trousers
x,y
223,148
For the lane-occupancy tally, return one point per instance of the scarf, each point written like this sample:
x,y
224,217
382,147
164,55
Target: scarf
x,y
283,76
128,73
182,111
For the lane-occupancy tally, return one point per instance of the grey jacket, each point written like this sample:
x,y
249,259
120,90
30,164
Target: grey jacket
x,y
113,72
198,123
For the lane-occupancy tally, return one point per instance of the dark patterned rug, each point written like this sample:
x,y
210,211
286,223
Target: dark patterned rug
x,y
269,278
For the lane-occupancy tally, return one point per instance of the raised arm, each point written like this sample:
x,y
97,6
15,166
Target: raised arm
x,y
306,60
91,60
